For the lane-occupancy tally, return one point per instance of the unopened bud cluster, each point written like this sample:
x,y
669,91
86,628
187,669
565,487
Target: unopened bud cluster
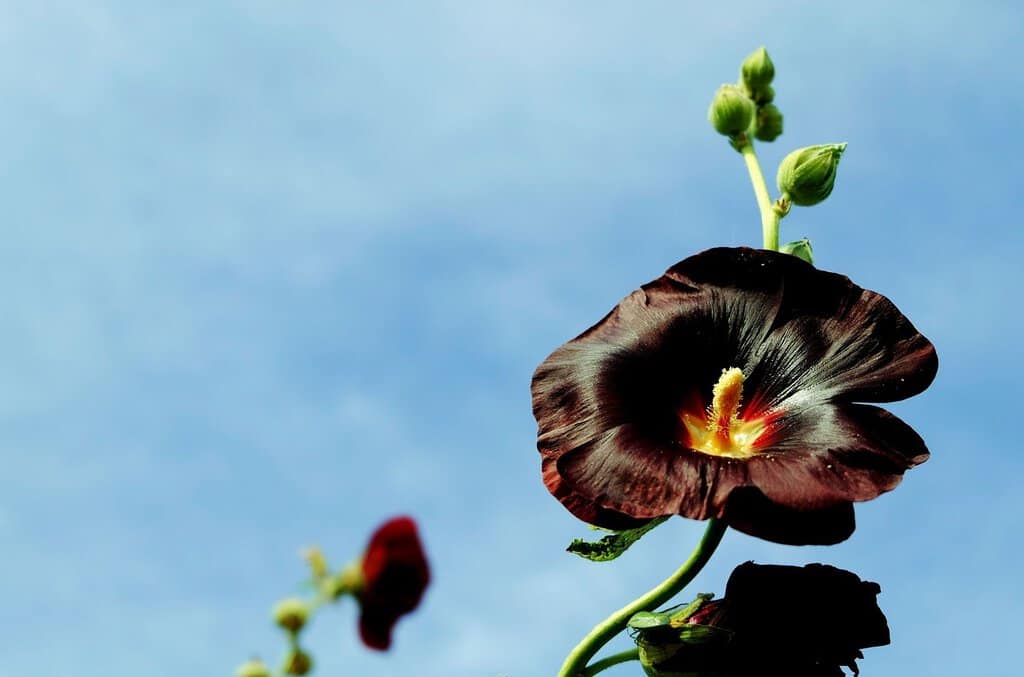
x,y
746,107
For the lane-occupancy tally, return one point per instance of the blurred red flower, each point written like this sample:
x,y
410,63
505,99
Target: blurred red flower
x,y
395,575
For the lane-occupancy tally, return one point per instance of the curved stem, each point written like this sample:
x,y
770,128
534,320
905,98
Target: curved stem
x,y
609,661
769,217
577,659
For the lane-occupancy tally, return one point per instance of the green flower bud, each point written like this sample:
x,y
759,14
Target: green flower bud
x,y
769,123
806,176
763,96
291,614
731,111
316,560
800,249
297,662
253,668
757,71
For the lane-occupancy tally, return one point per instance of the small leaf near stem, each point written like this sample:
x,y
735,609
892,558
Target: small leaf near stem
x,y
575,663
612,545
770,217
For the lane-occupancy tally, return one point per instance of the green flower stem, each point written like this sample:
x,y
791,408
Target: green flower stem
x,y
604,631
614,659
769,217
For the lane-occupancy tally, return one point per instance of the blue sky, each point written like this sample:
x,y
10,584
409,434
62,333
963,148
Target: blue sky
x,y
275,273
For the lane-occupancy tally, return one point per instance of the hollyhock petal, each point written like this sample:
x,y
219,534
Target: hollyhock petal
x,y
627,473
827,336
583,508
754,514
851,452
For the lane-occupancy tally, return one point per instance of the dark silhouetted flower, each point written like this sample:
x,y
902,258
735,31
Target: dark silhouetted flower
x,y
394,575
730,388
773,620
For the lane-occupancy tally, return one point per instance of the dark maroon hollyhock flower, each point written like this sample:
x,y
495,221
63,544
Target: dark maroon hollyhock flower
x,y
395,574
788,620
730,388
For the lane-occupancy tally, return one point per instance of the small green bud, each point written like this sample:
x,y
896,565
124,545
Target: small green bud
x,y
291,614
316,560
806,176
763,96
800,249
297,662
253,668
757,71
769,123
731,111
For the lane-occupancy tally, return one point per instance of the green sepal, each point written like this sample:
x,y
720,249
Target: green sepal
x,y
680,617
799,248
644,620
612,545
700,634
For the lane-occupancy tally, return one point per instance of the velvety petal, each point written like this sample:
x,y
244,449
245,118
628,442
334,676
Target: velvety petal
x,y
625,472
623,476
583,508
835,453
798,492
828,337
749,511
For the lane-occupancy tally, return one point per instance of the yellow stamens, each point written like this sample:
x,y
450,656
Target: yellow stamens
x,y
721,432
725,404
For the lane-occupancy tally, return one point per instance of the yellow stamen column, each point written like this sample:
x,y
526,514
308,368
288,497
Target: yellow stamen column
x,y
725,403
721,432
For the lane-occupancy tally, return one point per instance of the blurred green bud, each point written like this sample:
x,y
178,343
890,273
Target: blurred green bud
x,y
757,71
800,249
316,560
297,662
806,176
731,111
291,614
253,668
763,96
769,123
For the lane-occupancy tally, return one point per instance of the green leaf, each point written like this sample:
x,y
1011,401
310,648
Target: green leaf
x,y
643,620
613,545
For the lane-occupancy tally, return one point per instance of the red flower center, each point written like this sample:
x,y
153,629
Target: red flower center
x,y
720,430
